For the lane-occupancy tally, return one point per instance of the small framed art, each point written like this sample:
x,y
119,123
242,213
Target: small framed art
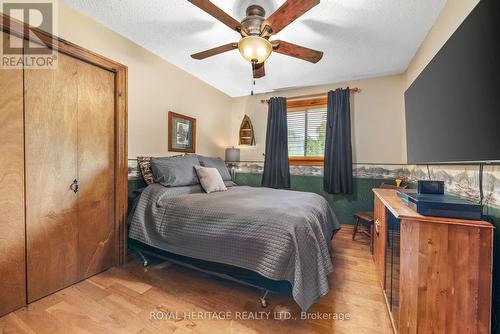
x,y
182,133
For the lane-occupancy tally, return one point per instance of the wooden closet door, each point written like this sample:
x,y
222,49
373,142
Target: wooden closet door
x,y
96,141
51,114
12,236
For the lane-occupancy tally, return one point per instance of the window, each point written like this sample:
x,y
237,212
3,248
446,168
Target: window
x,y
306,134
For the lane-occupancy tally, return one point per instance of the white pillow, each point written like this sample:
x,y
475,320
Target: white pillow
x,y
210,179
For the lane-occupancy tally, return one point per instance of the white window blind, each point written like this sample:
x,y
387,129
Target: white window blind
x,y
307,132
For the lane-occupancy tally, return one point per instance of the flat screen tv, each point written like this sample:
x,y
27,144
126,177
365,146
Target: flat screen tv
x,y
453,107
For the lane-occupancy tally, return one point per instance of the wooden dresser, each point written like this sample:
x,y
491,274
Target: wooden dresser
x,y
436,272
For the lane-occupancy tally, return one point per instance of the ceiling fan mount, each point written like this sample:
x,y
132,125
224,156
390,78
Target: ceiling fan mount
x,y
252,23
256,30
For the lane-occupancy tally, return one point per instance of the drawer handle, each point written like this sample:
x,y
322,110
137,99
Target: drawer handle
x,y
74,186
377,227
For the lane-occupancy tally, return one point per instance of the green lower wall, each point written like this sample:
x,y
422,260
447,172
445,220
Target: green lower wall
x,y
343,205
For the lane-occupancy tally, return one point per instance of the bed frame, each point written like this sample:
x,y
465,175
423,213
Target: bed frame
x,y
224,271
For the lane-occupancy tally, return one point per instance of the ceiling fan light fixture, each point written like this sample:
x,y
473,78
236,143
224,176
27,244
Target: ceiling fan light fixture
x,y
255,49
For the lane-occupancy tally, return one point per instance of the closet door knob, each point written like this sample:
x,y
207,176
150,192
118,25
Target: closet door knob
x,y
74,186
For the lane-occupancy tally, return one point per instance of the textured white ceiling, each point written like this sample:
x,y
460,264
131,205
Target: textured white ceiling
x,y
359,38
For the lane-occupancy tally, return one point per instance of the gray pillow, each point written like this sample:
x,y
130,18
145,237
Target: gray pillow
x,y
175,171
216,163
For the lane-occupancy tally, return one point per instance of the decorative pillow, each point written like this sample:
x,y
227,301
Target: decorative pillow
x,y
210,179
145,167
175,171
216,163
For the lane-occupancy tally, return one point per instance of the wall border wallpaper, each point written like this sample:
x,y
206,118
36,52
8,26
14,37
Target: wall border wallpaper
x,y
462,180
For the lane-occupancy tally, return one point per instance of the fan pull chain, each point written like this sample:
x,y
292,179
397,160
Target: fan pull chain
x,y
252,85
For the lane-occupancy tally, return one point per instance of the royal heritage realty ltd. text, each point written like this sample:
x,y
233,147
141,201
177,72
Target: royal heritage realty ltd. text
x,y
227,315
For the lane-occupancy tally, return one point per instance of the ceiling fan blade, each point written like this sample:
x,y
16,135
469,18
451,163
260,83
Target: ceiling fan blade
x,y
218,13
259,71
297,51
288,12
215,51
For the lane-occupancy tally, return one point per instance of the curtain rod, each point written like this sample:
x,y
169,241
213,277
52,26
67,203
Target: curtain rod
x,y
352,90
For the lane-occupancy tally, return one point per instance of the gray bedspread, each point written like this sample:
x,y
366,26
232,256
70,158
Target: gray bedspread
x,y
280,234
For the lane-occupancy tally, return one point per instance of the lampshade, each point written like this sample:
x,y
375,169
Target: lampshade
x,y
232,154
255,49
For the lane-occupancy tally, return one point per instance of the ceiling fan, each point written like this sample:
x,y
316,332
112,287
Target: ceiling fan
x,y
255,31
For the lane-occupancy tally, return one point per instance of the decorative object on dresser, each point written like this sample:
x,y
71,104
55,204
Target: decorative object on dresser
x,y
66,208
182,133
246,132
436,272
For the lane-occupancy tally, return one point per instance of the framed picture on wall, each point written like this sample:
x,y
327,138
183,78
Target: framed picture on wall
x,y
182,133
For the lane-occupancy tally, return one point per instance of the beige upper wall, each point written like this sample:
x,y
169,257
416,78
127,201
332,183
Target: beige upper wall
x,y
379,132
376,116
155,87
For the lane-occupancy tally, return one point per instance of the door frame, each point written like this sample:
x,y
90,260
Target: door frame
x,y
19,29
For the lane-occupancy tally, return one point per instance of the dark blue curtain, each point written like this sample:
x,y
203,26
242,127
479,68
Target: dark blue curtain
x,y
338,149
276,169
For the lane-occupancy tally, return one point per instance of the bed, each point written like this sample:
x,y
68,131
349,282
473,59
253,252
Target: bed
x,y
280,235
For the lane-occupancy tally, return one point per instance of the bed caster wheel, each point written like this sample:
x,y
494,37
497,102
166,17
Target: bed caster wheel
x,y
143,258
263,301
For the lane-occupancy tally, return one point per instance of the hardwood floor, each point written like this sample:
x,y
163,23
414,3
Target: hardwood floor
x,y
132,299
